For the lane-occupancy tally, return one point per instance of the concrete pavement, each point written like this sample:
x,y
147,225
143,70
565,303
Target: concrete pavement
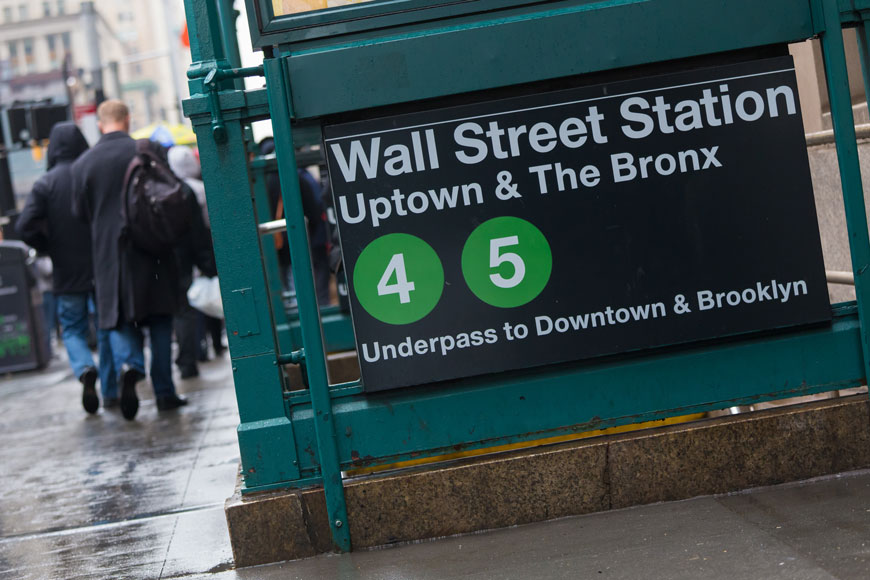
x,y
817,530
100,497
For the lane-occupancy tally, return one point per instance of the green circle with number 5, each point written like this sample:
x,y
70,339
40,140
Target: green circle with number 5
x,y
398,278
506,262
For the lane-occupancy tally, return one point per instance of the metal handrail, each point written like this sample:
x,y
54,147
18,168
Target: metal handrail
x,y
272,227
840,277
827,137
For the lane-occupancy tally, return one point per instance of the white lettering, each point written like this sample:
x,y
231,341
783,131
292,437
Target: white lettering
x,y
463,141
625,109
368,162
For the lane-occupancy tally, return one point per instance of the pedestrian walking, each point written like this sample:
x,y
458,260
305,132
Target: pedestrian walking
x,y
195,249
186,165
315,212
47,225
135,289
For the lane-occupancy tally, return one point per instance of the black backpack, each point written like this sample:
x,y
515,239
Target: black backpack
x,y
156,208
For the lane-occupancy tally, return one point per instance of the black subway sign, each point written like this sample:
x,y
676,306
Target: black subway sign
x,y
580,223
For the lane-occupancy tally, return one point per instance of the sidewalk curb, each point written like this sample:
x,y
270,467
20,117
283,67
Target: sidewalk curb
x,y
706,457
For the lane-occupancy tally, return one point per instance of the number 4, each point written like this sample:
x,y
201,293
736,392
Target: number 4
x,y
402,287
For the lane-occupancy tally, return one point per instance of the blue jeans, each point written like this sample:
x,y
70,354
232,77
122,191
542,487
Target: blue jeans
x,y
128,348
49,312
72,312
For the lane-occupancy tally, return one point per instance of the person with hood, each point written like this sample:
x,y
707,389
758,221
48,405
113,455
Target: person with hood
x,y
134,289
47,225
184,164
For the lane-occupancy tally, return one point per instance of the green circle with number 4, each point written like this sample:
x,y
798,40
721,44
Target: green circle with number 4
x,y
506,262
398,278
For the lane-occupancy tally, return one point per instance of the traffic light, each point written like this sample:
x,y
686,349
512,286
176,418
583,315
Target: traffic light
x,y
33,121
43,118
18,131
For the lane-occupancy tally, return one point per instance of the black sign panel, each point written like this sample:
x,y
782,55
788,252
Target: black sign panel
x,y
585,222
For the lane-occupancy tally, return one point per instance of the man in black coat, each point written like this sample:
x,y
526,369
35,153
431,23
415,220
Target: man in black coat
x,y
46,224
134,289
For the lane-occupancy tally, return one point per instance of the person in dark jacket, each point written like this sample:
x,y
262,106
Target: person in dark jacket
x,y
312,207
185,165
195,249
46,224
134,289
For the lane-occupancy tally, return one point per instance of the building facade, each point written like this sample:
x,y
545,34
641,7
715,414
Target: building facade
x,y
64,50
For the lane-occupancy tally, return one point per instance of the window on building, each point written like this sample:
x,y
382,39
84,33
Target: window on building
x,y
54,55
7,14
61,7
14,61
29,60
23,12
46,8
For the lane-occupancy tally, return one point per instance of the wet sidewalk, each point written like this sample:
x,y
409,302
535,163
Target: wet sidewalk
x,y
100,497
818,530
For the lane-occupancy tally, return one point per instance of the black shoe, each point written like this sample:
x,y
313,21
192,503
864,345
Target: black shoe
x,y
129,400
90,401
170,402
111,403
189,372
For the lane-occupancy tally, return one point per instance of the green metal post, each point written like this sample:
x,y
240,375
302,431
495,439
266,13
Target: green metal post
x,y
834,55
266,438
206,48
863,33
228,16
309,316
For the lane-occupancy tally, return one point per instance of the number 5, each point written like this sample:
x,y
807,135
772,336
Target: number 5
x,y
496,259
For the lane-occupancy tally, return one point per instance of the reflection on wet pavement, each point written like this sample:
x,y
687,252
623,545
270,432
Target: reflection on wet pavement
x,y
100,497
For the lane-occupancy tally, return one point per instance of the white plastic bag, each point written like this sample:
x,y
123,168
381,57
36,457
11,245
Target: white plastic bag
x,y
204,294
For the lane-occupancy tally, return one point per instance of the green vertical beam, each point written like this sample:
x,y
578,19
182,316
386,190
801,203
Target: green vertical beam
x,y
309,316
834,55
863,34
206,45
228,17
266,438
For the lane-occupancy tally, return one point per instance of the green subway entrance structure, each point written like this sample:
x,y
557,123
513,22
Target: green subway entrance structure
x,y
555,217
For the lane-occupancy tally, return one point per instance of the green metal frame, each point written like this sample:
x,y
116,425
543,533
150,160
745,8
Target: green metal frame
x,y
307,437
267,29
337,327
